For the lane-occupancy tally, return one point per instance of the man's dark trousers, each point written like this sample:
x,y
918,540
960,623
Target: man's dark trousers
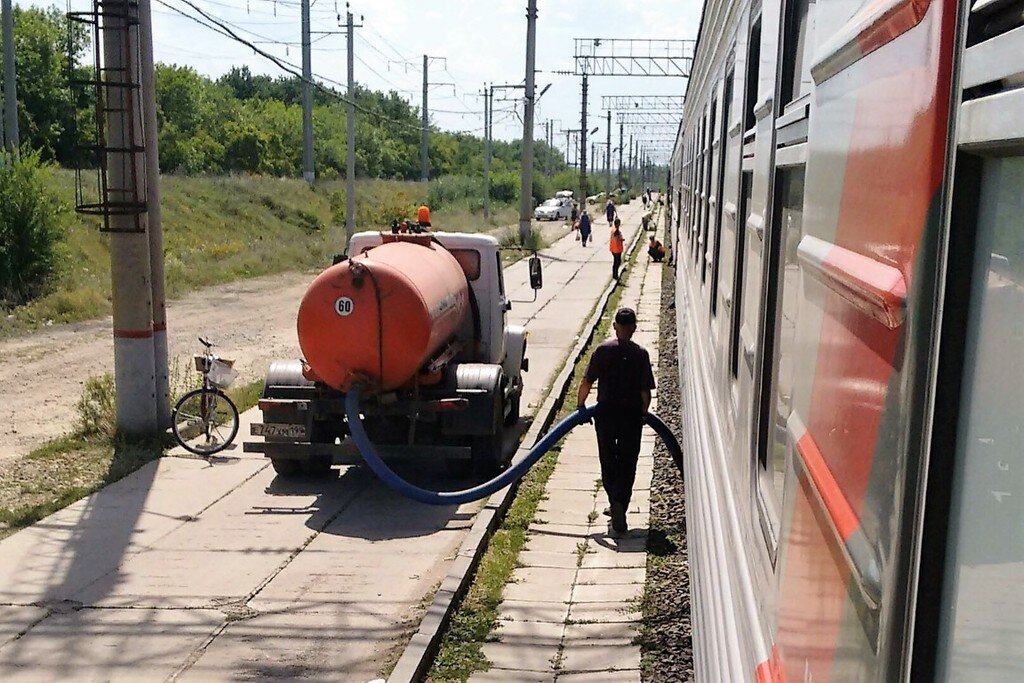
x,y
618,445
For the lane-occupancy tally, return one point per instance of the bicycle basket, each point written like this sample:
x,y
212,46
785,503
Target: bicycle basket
x,y
222,374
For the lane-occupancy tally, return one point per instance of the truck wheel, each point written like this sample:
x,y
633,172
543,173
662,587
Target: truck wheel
x,y
318,466
285,467
512,419
488,455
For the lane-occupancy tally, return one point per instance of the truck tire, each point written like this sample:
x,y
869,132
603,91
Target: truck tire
x,y
285,467
488,455
512,419
488,451
319,466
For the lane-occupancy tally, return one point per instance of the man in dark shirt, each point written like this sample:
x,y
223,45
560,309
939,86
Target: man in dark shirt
x,y
622,370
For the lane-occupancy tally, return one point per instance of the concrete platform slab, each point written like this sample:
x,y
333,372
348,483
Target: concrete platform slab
x,y
593,612
531,610
495,675
523,654
537,558
295,646
611,575
108,644
540,584
16,620
594,658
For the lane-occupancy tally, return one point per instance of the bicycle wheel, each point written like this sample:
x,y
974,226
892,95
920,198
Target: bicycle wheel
x,y
204,421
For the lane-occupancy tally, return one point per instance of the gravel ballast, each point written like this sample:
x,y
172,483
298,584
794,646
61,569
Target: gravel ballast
x,y
666,632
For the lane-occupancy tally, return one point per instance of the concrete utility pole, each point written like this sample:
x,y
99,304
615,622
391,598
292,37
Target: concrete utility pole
x,y
350,144
608,155
130,270
10,82
526,171
488,112
155,222
631,161
620,154
425,141
583,143
308,171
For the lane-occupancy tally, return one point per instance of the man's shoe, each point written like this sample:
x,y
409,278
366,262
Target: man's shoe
x,y
607,512
619,518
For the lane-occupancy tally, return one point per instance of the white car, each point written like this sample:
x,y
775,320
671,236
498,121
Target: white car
x,y
553,210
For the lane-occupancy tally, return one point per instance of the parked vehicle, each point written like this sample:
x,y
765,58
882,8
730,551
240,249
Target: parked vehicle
x,y
419,322
554,210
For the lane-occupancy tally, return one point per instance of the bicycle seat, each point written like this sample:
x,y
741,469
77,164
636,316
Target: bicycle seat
x,y
205,343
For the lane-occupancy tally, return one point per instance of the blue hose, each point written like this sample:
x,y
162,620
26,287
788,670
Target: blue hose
x,y
512,474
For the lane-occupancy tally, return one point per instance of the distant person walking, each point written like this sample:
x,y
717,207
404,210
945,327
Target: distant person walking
x,y
616,245
423,216
575,212
643,199
609,211
585,228
622,370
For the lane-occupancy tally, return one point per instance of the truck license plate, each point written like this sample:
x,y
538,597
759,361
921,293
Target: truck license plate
x,y
291,431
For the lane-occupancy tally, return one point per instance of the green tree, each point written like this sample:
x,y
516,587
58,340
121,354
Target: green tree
x,y
49,115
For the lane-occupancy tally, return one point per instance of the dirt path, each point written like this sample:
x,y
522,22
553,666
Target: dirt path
x,y
42,373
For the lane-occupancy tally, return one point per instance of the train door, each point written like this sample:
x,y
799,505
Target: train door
x,y
969,622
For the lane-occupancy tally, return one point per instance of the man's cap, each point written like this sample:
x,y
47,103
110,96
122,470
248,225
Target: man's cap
x,y
626,316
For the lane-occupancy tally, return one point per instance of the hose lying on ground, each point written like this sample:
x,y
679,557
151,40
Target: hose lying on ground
x,y
510,475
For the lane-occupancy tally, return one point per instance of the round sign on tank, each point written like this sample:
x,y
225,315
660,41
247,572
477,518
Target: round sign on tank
x,y
344,306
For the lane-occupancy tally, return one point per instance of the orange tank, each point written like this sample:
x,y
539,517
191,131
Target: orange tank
x,y
346,337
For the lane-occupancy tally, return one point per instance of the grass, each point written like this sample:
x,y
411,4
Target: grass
x,y
461,650
227,228
71,467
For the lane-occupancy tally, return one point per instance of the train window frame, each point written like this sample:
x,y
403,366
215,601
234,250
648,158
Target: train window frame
x,y
709,189
771,455
752,75
794,64
727,85
743,208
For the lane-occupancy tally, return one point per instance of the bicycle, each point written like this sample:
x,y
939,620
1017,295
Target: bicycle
x,y
205,420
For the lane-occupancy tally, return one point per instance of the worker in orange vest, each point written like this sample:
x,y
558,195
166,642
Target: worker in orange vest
x,y
423,216
616,245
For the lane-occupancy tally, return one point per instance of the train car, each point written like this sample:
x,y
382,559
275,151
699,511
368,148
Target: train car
x,y
848,222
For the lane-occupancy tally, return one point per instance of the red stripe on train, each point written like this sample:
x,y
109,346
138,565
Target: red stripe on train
x,y
838,507
771,669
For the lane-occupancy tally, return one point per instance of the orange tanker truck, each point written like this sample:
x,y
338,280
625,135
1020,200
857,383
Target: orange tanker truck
x,y
419,323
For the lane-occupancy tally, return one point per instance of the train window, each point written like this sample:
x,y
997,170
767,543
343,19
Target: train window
x,y
709,190
782,297
982,631
753,73
799,15
746,192
724,137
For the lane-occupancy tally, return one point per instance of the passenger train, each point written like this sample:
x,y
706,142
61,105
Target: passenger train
x,y
847,195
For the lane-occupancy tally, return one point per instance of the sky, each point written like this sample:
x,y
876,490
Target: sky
x,y
481,41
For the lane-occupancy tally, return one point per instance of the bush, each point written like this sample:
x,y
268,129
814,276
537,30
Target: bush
x,y
97,411
505,187
31,220
454,189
